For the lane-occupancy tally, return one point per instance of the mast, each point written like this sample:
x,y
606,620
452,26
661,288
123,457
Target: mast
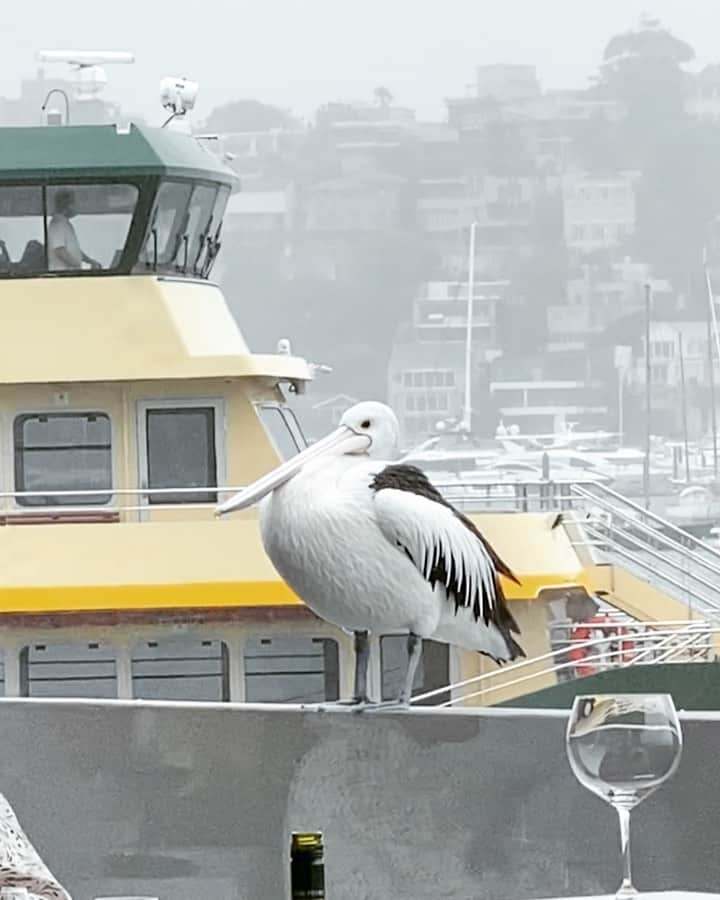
x,y
648,407
467,408
683,403
712,331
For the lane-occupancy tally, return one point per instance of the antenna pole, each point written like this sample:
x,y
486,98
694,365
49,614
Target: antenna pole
x,y
62,94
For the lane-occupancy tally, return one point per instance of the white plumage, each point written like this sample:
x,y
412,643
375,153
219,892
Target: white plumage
x,y
371,545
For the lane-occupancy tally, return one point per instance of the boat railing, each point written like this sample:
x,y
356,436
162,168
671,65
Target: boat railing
x,y
526,496
16,505
624,644
603,525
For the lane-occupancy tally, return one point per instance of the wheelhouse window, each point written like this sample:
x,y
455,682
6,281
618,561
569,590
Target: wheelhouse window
x,y
22,231
68,670
200,215
183,235
88,225
168,223
60,228
291,670
433,671
181,669
181,452
63,452
283,427
212,240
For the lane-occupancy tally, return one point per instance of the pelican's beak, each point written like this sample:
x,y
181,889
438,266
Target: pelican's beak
x,y
339,442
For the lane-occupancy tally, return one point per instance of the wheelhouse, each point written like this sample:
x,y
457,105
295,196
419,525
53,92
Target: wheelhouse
x,y
139,201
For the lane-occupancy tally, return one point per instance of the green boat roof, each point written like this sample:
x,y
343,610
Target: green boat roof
x,y
104,151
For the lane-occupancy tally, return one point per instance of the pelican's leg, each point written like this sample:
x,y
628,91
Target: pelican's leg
x,y
414,648
362,657
360,697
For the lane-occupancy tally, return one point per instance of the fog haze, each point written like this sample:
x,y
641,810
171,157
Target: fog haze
x,y
299,54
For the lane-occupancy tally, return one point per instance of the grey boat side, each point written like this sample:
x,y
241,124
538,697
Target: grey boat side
x,y
180,800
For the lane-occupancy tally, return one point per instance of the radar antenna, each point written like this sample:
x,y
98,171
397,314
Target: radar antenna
x,y
88,65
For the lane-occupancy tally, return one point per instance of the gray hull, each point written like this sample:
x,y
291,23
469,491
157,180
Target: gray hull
x,y
183,802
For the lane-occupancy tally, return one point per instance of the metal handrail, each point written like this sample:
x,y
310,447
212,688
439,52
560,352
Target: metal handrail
x,y
619,550
652,630
127,492
671,651
664,523
604,657
658,536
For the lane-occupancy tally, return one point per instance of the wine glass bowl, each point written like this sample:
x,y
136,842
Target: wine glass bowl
x,y
623,747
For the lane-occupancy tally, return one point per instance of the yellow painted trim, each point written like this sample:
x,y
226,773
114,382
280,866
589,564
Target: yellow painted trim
x,y
196,595
145,596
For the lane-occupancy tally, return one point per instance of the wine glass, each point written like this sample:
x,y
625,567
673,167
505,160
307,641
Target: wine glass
x,y
622,747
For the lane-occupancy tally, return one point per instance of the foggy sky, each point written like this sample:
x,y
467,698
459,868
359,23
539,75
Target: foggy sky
x,y
299,53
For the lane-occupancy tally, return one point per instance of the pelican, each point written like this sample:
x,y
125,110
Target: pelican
x,y
372,546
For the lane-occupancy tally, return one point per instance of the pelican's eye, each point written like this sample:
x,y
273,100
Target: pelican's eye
x,y
365,424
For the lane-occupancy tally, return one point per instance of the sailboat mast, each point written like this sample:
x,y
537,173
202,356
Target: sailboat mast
x,y
712,331
467,406
683,400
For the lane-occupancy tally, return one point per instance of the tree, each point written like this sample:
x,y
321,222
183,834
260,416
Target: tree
x,y
383,96
643,69
248,115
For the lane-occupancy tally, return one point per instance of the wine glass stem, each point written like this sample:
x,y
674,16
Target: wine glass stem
x,y
626,888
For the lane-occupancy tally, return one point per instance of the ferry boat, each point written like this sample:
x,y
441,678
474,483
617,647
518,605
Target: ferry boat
x,y
130,405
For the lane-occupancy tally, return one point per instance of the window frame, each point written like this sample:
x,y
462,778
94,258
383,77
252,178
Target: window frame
x,y
24,663
171,267
289,421
225,659
60,412
271,635
132,246
143,406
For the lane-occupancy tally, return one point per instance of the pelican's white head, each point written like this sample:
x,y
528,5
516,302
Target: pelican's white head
x,y
366,429
378,423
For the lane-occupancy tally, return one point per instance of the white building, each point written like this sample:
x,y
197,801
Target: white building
x,y
261,211
539,407
665,338
599,212
440,312
426,374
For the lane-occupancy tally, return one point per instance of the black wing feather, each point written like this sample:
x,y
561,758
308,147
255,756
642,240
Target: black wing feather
x,y
404,477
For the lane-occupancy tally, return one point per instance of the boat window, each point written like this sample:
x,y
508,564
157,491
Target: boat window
x,y
58,452
433,671
2,675
291,670
213,242
68,670
181,669
168,223
88,225
181,453
199,228
22,234
283,428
